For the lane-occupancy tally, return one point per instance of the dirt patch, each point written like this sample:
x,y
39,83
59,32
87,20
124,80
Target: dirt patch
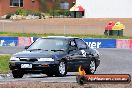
x,y
60,85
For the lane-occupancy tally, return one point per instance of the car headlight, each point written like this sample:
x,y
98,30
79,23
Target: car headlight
x,y
45,59
14,59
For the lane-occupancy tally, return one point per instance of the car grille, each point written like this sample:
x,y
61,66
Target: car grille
x,y
29,60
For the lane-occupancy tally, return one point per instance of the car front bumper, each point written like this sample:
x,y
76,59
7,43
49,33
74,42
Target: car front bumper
x,y
35,68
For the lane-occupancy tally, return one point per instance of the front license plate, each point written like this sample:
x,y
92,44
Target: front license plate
x,y
26,65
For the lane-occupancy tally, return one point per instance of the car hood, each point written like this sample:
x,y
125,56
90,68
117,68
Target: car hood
x,y
40,54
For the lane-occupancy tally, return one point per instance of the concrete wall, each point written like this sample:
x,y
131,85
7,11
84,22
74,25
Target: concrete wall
x,y
106,8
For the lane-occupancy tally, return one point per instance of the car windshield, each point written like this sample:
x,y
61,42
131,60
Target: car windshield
x,y
49,45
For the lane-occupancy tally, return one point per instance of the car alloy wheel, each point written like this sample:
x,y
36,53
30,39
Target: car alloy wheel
x,y
62,68
92,67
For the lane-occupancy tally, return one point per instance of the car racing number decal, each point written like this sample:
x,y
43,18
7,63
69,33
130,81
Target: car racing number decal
x,y
83,53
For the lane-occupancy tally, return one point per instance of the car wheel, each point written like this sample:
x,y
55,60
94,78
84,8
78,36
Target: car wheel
x,y
17,74
61,69
92,67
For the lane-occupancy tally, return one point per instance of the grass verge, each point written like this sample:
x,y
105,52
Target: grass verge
x,y
74,35
4,64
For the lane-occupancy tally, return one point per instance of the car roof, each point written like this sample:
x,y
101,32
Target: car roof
x,y
61,37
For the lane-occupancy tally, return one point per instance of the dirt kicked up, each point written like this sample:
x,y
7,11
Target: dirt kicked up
x,y
26,84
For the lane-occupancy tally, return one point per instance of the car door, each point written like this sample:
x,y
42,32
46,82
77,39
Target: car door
x,y
73,52
83,52
77,54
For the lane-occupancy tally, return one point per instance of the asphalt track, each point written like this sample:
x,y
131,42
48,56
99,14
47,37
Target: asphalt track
x,y
113,61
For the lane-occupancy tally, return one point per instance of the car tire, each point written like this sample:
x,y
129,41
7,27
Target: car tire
x,y
61,69
17,74
49,74
92,67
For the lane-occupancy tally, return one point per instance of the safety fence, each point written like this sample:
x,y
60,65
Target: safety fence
x,y
93,43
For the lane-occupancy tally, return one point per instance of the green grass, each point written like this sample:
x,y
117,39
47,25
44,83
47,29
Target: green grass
x,y
74,35
4,64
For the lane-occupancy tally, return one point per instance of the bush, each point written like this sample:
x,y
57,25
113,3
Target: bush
x,y
58,12
66,13
25,13
21,12
37,13
28,12
9,15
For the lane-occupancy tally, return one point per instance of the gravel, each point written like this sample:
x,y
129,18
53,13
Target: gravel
x,y
60,85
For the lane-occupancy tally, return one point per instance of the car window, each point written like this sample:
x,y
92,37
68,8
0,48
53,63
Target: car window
x,y
49,44
73,45
81,44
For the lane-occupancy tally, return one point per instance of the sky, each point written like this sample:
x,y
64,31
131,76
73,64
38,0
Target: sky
x,y
107,8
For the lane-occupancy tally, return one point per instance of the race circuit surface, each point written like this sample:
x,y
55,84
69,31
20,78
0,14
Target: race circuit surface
x,y
113,61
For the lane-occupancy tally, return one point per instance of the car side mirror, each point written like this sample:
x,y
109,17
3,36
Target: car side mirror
x,y
26,47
